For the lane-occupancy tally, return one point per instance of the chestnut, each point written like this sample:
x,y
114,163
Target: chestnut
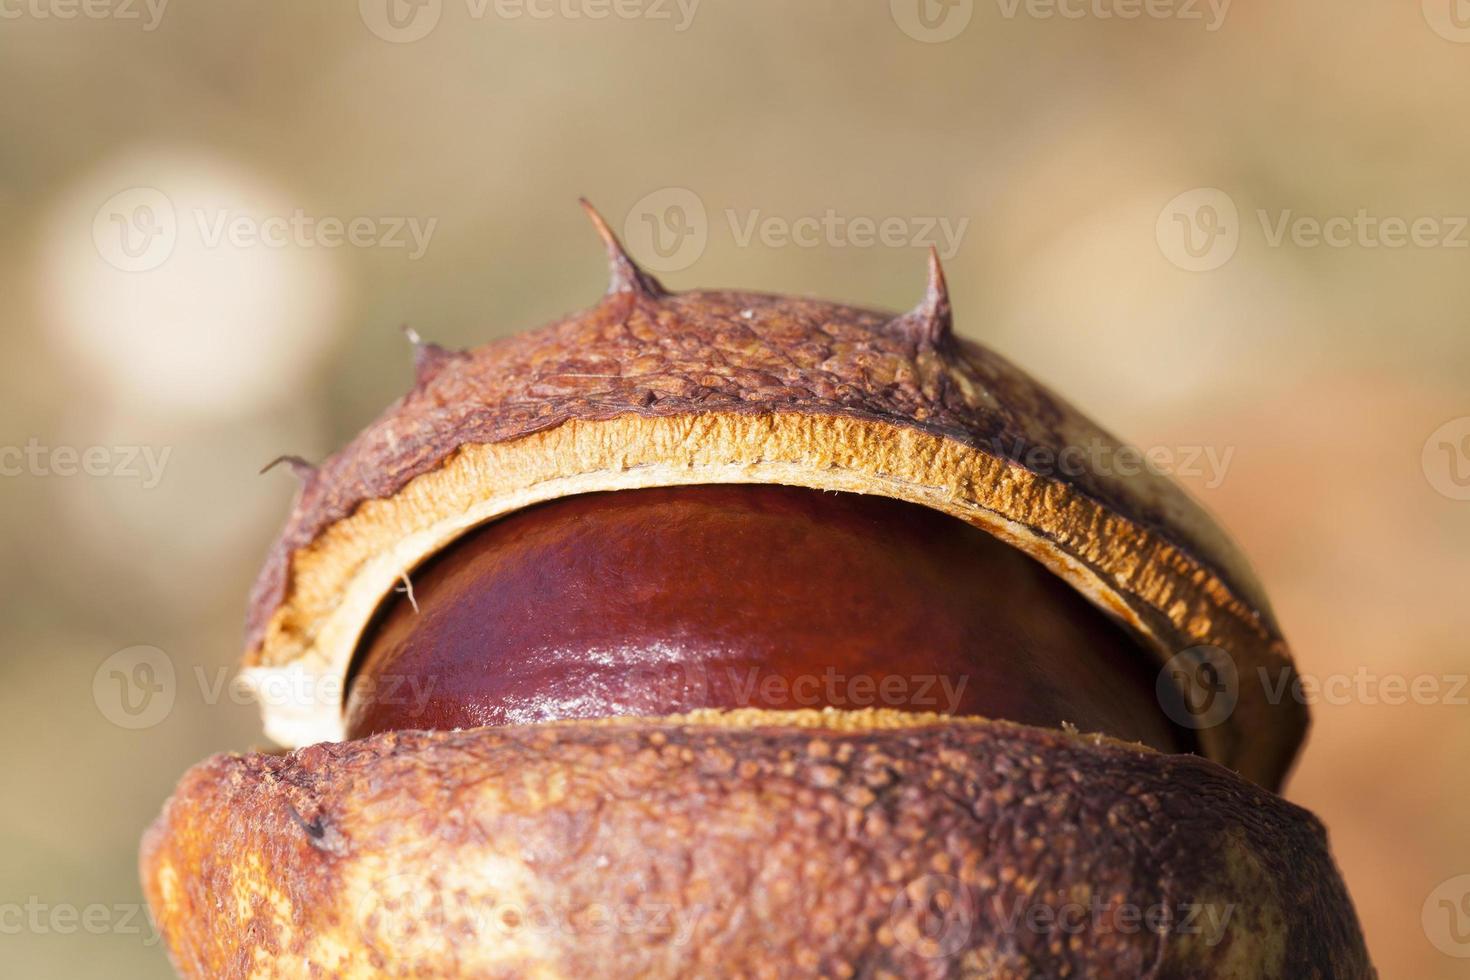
x,y
664,600
721,633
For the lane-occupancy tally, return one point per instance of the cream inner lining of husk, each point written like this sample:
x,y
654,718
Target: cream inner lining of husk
x,y
335,585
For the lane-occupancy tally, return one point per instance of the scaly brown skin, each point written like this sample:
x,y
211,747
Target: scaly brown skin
x,y
663,600
742,846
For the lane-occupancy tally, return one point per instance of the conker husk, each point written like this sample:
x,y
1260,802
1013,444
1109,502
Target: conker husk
x,y
645,507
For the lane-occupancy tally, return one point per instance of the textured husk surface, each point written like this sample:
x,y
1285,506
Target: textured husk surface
x,y
746,844
649,389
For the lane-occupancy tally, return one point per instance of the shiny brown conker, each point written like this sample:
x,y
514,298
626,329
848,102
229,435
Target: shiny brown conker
x,y
656,601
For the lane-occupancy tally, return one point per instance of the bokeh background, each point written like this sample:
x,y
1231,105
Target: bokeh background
x,y
1125,205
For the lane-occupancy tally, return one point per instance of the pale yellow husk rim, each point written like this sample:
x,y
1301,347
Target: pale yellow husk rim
x,y
1164,595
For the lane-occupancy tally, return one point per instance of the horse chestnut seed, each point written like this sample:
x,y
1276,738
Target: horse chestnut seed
x,y
726,633
662,600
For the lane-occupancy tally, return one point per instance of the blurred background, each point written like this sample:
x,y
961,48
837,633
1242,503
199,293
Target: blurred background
x,y
1235,233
